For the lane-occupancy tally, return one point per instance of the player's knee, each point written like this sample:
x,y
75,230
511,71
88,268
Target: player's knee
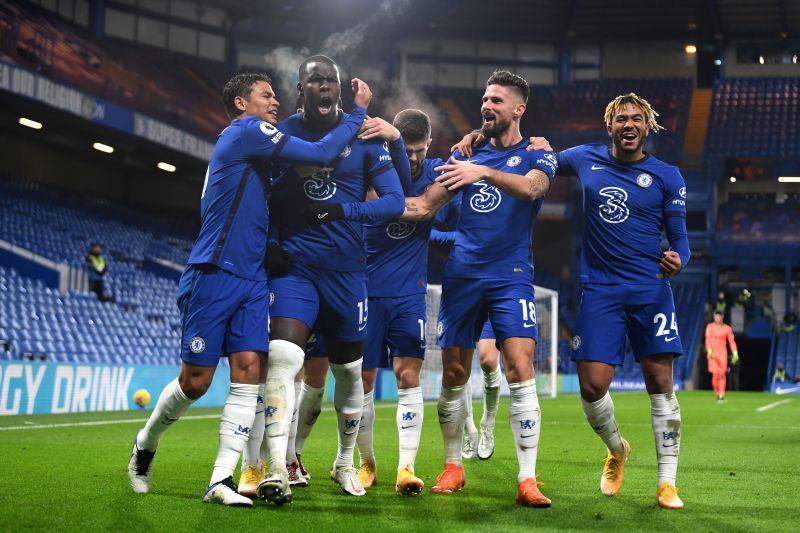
x,y
194,386
455,375
368,377
592,392
285,359
246,367
407,378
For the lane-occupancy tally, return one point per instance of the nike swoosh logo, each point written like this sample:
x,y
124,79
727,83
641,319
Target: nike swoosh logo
x,y
322,215
361,328
526,436
595,167
668,445
788,390
670,339
270,424
261,411
406,427
528,325
351,433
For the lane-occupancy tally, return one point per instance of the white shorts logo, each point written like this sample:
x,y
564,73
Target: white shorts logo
x,y
271,298
486,199
644,180
439,329
576,342
400,229
197,344
513,161
614,210
319,186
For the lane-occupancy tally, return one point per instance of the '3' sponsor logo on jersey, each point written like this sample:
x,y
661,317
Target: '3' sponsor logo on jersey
x,y
486,199
400,229
614,210
319,186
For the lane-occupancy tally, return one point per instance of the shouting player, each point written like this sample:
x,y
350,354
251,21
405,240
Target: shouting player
x,y
489,274
628,196
223,293
327,285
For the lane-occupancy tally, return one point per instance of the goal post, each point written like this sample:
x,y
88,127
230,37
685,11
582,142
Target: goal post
x,y
545,357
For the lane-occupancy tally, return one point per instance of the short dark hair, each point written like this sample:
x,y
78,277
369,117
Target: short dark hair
x,y
240,85
319,58
414,125
509,79
718,312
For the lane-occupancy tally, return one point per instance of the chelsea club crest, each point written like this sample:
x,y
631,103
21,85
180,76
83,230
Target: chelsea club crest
x,y
644,180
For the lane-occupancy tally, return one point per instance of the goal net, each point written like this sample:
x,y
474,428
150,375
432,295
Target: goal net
x,y
545,357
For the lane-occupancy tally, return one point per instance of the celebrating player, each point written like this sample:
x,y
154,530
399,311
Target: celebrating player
x,y
718,336
489,273
397,253
628,196
223,293
319,290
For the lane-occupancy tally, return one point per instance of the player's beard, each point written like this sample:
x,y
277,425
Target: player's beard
x,y
496,129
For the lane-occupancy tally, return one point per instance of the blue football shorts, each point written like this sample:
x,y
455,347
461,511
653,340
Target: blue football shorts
x,y
467,303
221,314
487,332
333,303
646,313
396,328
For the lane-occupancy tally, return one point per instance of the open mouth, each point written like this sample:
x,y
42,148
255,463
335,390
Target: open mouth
x,y
629,137
488,119
325,105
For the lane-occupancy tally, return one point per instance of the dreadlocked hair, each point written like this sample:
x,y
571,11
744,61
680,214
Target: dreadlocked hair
x,y
634,99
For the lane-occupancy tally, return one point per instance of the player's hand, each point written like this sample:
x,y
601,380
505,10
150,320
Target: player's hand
x,y
709,354
458,174
538,143
376,127
318,214
279,261
362,92
670,264
735,359
464,146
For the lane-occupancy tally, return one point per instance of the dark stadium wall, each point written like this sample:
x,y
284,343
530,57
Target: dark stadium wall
x,y
91,175
648,60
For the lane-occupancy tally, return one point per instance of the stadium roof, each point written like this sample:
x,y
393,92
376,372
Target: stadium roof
x,y
552,21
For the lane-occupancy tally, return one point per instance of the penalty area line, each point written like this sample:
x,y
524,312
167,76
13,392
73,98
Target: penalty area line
x,y
773,404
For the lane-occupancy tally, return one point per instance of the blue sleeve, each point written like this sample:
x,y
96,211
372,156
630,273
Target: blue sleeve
x,y
444,238
676,234
674,193
568,161
389,205
262,139
544,161
400,160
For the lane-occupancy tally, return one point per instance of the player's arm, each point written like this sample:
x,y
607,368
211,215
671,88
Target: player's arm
x,y
476,138
677,257
443,230
425,206
289,149
377,128
734,348
530,186
442,238
388,205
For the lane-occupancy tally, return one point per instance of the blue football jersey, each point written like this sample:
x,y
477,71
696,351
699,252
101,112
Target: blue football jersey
x,y
338,245
233,204
624,206
494,235
397,251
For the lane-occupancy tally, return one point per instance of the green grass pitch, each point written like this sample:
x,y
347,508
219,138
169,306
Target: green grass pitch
x,y
738,472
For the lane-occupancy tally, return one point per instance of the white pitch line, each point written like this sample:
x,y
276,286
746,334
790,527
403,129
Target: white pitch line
x,y
98,423
33,425
773,404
